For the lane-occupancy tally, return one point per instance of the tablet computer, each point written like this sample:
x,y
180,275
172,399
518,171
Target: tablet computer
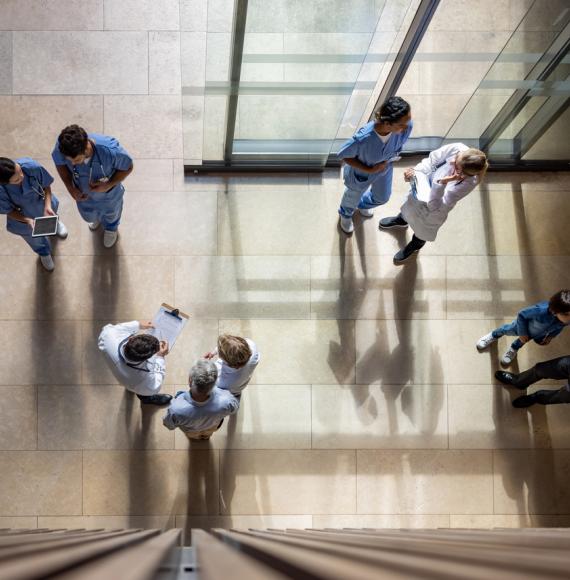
x,y
45,226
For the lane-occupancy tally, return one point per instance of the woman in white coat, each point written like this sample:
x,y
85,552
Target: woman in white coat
x,y
438,182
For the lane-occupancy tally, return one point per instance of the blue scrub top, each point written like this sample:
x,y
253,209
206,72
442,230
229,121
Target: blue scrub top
x,y
108,157
27,196
368,148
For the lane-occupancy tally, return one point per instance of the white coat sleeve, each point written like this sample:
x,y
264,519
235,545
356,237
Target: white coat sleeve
x,y
157,374
428,164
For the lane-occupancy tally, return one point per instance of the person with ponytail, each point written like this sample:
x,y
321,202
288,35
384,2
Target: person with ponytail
x,y
438,182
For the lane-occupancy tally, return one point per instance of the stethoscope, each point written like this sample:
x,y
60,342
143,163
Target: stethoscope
x,y
75,171
124,360
37,188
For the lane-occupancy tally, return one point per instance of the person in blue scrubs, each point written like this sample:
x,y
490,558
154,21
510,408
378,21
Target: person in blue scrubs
x,y
93,168
368,159
25,194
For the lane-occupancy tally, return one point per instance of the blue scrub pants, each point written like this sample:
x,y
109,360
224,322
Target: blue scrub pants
x,y
373,191
41,245
105,208
510,329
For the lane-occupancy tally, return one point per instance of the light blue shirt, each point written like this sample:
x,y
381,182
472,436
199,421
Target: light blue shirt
x,y
538,322
28,196
191,415
367,146
108,157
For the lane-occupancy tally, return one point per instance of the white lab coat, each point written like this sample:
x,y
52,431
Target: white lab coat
x,y
427,212
236,380
144,380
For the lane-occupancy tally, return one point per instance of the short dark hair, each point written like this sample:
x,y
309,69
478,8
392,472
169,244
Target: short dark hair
x,y
72,141
560,302
7,170
141,347
392,109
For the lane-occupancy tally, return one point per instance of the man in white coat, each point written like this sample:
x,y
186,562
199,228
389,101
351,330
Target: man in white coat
x,y
136,359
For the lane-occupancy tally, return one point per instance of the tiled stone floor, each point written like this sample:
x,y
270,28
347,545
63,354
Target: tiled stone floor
x,y
371,406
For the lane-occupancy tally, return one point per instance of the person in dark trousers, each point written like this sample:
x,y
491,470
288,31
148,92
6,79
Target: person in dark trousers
x,y
557,368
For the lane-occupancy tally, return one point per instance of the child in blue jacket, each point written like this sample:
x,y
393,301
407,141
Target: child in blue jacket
x,y
541,323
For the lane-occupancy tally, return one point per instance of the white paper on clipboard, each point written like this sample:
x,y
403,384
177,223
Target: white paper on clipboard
x,y
168,326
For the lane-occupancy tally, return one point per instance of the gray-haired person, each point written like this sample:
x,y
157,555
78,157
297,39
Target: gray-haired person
x,y
200,411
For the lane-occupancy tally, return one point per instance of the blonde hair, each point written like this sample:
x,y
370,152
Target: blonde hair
x,y
474,162
234,350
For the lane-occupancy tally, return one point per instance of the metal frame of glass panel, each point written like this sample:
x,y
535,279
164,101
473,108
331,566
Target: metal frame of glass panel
x,y
266,160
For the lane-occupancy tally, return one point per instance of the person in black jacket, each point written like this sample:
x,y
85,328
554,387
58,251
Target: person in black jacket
x,y
557,368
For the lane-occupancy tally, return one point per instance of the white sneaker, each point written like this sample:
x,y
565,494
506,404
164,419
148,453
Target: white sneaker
x,y
94,225
109,238
47,263
61,230
509,357
366,212
485,341
346,225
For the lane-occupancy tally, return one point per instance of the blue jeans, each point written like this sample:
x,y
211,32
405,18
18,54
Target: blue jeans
x,y
510,329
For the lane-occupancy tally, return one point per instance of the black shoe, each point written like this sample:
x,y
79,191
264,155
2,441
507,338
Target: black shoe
x,y
508,379
524,401
156,400
392,222
403,256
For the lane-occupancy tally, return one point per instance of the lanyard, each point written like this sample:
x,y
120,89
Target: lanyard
x,y
125,361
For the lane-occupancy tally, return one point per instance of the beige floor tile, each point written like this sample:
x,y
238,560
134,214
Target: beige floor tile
x,y
425,482
529,222
528,181
164,63
50,295
40,353
52,15
18,418
99,417
107,522
374,417
499,286
141,15
29,522
509,521
153,175
117,62
125,288
531,481
29,134
40,483
382,521
259,482
356,287
261,422
161,225
482,417
6,63
300,351
244,230
397,352
243,286
187,523
148,126
150,482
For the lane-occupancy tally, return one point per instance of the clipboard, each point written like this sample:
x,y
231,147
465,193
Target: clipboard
x,y
168,323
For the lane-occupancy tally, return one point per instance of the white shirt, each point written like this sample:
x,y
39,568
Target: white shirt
x,y
144,378
236,380
431,169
